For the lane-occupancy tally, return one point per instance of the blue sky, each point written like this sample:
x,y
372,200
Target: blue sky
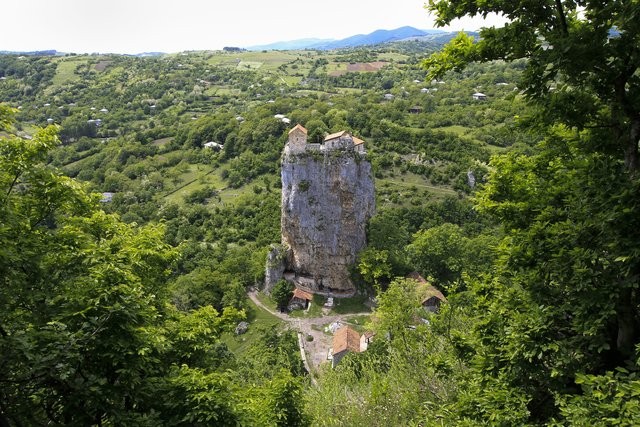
x,y
133,26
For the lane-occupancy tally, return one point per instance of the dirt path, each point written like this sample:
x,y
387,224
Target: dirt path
x,y
317,349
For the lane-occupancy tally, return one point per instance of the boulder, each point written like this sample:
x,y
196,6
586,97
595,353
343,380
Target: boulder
x,y
242,328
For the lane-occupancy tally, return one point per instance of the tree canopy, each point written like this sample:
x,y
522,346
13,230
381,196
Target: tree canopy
x,y
560,311
87,332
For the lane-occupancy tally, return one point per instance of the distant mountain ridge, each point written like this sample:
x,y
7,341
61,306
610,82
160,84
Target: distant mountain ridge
x,y
293,44
376,37
50,52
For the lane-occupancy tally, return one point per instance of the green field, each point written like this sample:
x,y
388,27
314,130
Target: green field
x,y
65,71
457,129
355,304
193,178
162,141
249,65
392,56
358,322
270,60
336,68
258,318
222,91
409,185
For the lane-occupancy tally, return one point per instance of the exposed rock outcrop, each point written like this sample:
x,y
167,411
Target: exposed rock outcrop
x,y
276,264
327,198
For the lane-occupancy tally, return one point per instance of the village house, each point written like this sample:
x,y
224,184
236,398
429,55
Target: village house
x,y
213,145
297,142
300,300
107,197
430,297
345,340
479,96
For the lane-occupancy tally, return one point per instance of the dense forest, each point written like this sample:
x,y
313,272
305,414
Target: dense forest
x,y
139,197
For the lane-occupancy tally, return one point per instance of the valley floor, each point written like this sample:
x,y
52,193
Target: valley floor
x,y
317,349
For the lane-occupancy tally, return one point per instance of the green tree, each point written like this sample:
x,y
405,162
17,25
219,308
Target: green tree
x,y
405,374
388,231
86,336
317,129
564,300
374,266
78,288
398,308
284,401
439,252
281,294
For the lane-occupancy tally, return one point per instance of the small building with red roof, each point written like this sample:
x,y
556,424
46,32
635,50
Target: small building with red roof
x,y
300,299
345,340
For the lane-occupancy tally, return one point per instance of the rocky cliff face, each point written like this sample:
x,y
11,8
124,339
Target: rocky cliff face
x,y
327,199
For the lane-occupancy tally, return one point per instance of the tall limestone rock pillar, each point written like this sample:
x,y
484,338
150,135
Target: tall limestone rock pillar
x,y
327,198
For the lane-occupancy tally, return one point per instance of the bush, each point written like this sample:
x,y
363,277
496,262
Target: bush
x,y
201,195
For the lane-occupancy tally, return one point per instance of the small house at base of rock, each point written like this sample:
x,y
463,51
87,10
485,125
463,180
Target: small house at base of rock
x,y
300,300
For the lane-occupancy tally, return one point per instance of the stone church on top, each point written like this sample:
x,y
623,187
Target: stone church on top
x,y
297,142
